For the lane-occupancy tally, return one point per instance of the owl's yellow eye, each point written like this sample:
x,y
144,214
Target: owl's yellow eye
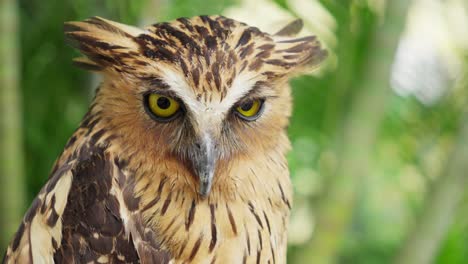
x,y
162,106
250,110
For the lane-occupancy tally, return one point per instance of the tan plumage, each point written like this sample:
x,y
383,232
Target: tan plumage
x,y
205,185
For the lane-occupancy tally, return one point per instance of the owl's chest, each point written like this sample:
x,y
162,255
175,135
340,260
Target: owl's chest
x,y
244,219
235,232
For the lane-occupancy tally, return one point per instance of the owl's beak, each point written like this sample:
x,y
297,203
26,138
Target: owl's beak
x,y
204,163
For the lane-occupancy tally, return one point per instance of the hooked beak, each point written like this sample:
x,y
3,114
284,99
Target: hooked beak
x,y
204,159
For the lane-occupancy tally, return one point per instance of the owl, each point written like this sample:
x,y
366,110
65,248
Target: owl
x,y
181,156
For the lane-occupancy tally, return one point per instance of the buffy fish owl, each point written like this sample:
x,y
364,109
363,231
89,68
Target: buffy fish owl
x,y
181,156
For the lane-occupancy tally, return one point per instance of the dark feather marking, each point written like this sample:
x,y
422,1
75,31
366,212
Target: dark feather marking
x,y
263,54
283,197
210,42
245,37
53,217
244,259
85,65
248,240
91,125
202,31
129,197
209,77
70,27
182,247
213,261
144,39
196,76
260,239
32,210
255,65
44,207
160,53
55,168
170,235
187,24
184,39
291,29
157,82
18,236
229,81
79,40
163,181
121,163
54,243
216,76
296,49
232,59
273,253
291,57
56,176
308,39
259,255
214,26
106,26
265,47
170,225
267,221
196,247
213,228
231,220
96,136
252,210
191,216
243,66
227,22
70,142
166,204
184,67
280,63
246,51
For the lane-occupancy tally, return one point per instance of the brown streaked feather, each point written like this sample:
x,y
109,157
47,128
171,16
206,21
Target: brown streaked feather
x,y
36,239
97,223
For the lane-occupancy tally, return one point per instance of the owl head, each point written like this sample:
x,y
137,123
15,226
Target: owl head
x,y
203,92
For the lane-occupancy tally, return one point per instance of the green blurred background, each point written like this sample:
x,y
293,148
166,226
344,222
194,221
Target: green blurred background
x,y
380,132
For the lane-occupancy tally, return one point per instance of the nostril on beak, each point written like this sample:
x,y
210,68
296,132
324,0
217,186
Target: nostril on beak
x,y
198,145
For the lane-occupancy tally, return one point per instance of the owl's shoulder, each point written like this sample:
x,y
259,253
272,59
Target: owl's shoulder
x,y
80,215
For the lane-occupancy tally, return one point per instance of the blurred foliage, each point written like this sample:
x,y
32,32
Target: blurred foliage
x,y
413,142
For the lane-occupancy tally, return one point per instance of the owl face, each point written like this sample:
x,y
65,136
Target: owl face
x,y
202,91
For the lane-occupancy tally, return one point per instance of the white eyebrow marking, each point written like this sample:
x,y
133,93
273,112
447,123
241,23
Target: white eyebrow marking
x,y
177,83
241,85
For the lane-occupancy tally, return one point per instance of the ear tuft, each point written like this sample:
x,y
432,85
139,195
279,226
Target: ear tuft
x,y
297,55
104,42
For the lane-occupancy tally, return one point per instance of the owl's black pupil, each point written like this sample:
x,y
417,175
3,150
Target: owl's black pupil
x,y
163,102
247,106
